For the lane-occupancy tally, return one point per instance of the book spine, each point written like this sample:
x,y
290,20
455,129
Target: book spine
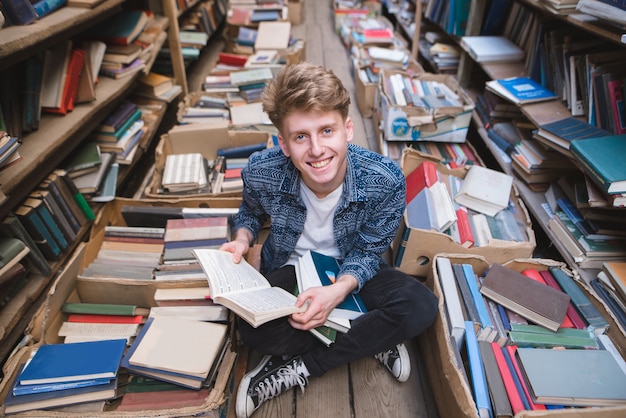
x,y
79,198
515,378
574,215
582,303
53,227
577,321
593,172
406,232
62,204
99,308
516,369
481,306
40,234
19,12
45,7
57,214
55,182
479,381
466,294
507,377
12,226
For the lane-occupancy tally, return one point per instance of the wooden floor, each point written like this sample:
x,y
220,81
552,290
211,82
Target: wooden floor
x,y
362,389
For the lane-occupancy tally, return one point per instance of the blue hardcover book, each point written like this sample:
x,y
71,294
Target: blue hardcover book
x,y
477,372
116,118
195,243
19,12
48,220
38,231
45,7
121,130
575,216
20,389
243,151
520,90
481,306
264,16
516,379
57,363
41,400
324,269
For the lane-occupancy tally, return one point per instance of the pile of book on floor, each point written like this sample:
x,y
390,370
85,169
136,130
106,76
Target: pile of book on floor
x,y
126,358
545,347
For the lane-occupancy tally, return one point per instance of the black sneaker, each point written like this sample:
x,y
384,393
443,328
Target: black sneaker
x,y
397,361
270,378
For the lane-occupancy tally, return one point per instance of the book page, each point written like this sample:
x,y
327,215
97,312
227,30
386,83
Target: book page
x,y
226,277
264,300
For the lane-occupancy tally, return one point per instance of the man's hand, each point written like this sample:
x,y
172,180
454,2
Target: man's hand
x,y
321,300
239,246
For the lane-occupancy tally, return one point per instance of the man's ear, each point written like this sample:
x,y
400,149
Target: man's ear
x,y
283,145
349,129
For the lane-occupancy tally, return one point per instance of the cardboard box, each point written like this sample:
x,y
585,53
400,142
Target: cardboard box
x,y
365,91
205,139
451,391
369,8
420,246
43,329
295,10
141,292
410,123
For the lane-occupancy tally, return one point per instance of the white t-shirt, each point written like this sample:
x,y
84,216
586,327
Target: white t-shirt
x,y
318,227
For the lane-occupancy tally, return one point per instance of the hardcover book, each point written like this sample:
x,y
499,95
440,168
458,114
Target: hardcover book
x,y
520,90
534,301
55,363
485,190
597,156
121,29
492,49
573,377
243,289
424,175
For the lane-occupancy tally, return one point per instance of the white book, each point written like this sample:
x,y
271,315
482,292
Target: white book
x,y
492,49
440,207
456,320
97,329
485,190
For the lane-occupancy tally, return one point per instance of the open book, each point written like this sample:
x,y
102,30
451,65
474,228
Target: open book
x,y
243,289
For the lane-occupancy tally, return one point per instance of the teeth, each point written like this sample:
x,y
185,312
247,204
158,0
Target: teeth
x,y
320,164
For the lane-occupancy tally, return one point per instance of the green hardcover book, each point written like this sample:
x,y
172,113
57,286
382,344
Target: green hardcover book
x,y
51,224
39,232
115,136
104,309
84,160
581,302
537,339
78,197
597,155
11,226
9,249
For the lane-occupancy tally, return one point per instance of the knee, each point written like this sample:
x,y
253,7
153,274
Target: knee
x,y
423,307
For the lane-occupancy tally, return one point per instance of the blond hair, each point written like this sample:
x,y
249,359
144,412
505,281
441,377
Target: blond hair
x,y
304,87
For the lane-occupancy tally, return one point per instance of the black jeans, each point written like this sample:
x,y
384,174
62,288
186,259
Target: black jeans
x,y
399,308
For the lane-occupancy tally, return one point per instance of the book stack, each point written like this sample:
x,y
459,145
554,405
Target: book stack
x,y
66,374
610,286
251,82
9,153
430,95
124,56
121,131
185,173
127,253
501,368
204,114
157,86
179,351
183,235
452,155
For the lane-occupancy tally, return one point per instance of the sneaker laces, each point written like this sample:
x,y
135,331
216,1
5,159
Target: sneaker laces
x,y
273,385
383,357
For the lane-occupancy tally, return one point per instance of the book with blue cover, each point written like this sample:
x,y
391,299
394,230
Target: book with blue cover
x,y
56,363
520,90
323,270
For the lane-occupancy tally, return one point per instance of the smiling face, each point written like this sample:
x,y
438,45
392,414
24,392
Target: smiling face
x,y
317,143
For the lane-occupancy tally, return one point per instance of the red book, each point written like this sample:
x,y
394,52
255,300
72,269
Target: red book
x,y
425,175
572,313
232,59
616,95
534,406
72,77
465,229
232,173
536,276
105,319
507,377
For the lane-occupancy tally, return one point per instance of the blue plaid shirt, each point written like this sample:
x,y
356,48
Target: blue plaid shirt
x,y
366,219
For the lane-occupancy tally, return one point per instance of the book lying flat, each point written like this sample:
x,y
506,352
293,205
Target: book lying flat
x,y
70,362
485,190
573,377
520,90
243,289
492,49
534,301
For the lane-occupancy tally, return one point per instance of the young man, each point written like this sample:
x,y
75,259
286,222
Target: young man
x,y
321,193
